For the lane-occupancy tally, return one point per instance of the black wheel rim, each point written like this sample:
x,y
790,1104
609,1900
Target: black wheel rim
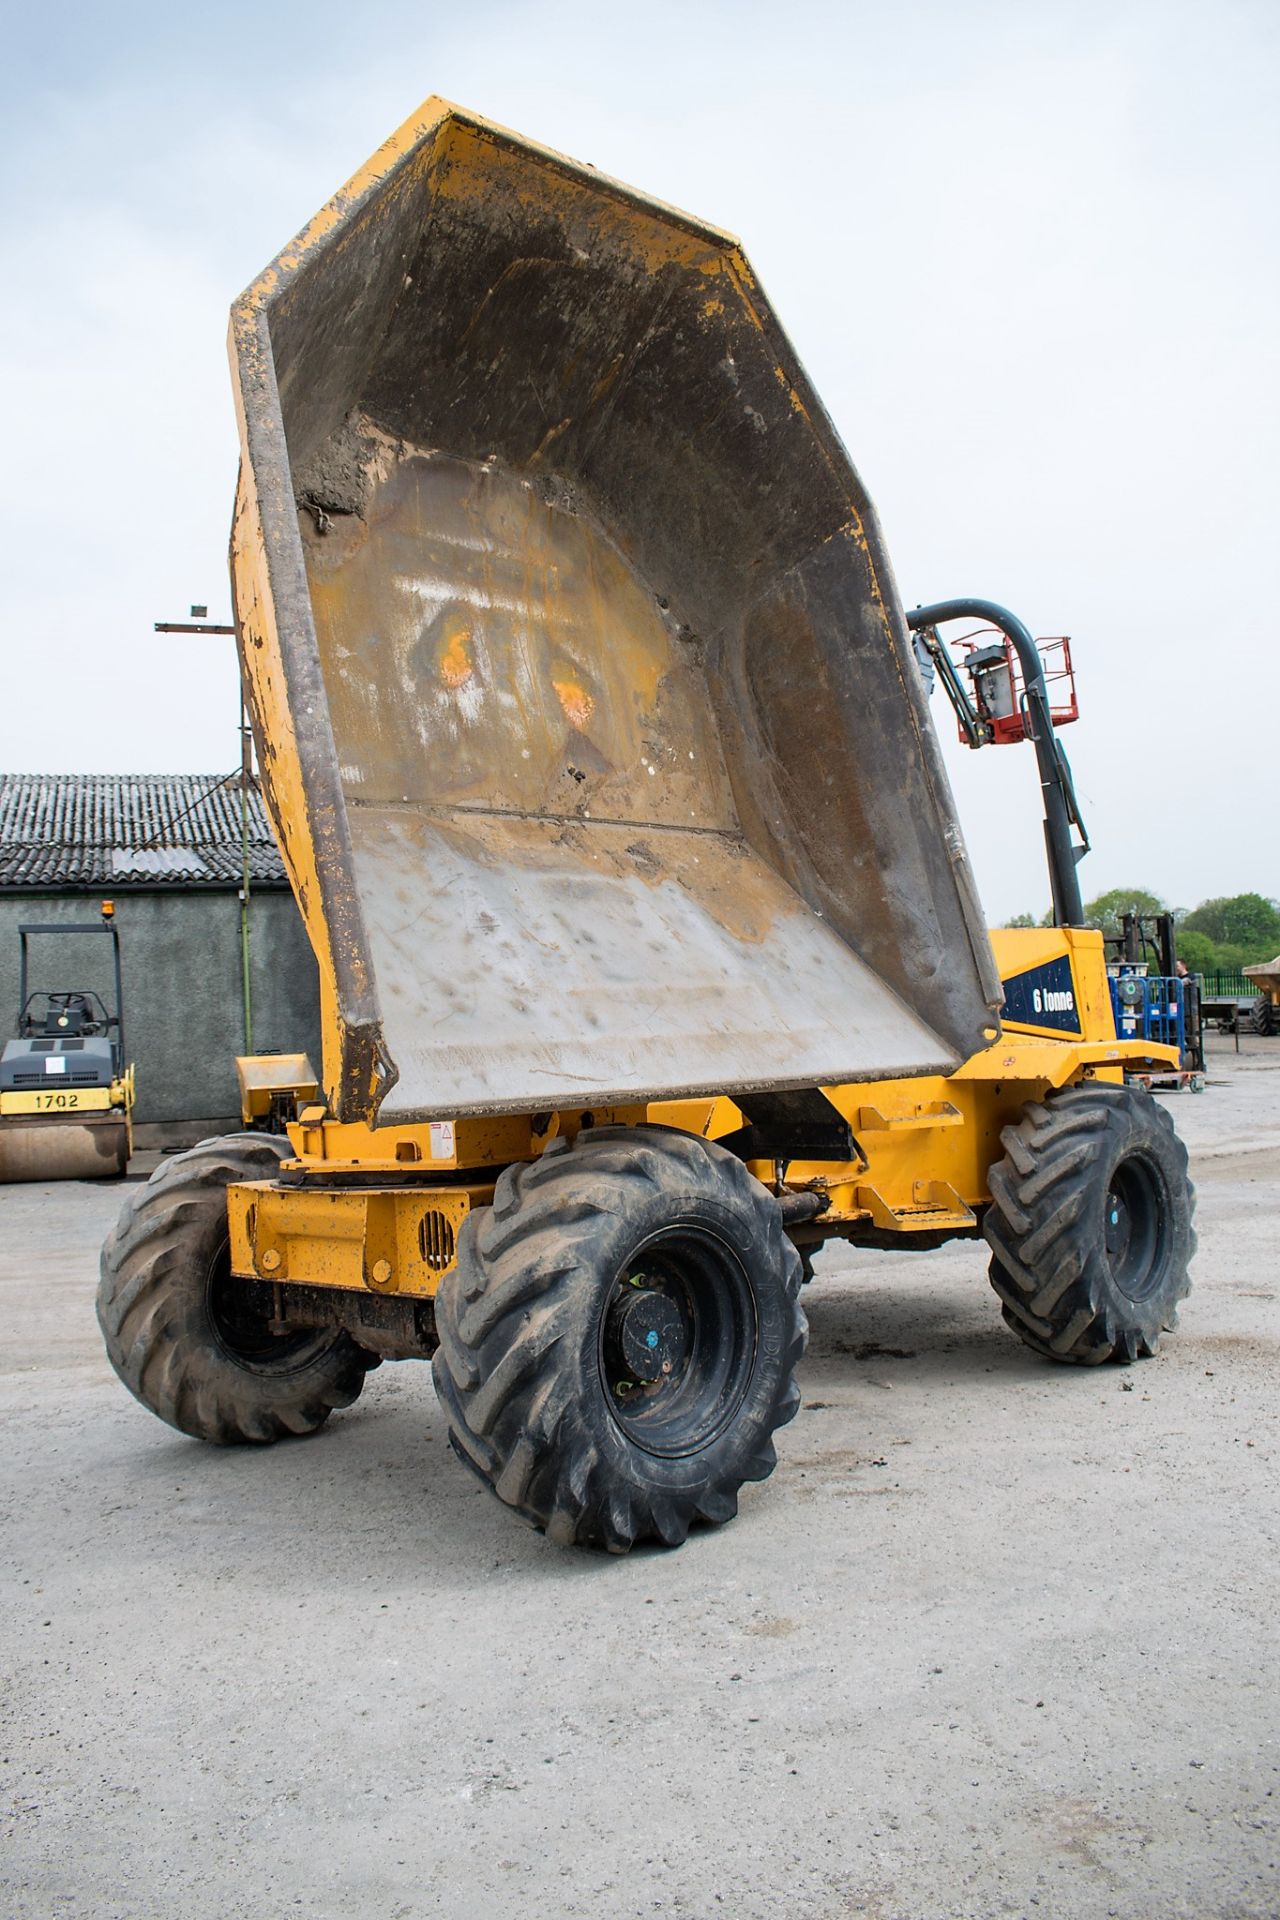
x,y
677,1342
243,1332
1135,1228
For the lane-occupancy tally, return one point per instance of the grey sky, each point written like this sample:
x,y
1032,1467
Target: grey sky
x,y
1027,253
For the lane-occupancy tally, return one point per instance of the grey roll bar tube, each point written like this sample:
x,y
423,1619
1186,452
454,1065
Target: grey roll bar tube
x,y
115,1019
1060,807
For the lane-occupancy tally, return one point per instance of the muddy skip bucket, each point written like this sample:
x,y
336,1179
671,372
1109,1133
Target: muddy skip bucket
x,y
587,716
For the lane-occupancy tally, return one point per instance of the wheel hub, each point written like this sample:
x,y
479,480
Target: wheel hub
x,y
1118,1226
677,1341
1134,1229
652,1337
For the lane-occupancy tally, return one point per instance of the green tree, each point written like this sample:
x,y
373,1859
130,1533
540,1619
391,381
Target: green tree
x,y
1022,920
1245,920
1253,921
1198,952
1208,918
1106,911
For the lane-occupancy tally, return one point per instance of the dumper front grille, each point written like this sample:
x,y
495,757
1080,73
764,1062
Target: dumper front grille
x,y
436,1239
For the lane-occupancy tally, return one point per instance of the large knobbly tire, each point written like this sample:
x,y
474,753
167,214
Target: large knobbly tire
x,y
1264,1017
175,1326
1090,1224
619,1338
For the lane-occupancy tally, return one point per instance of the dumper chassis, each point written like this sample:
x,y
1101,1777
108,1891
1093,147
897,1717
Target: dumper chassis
x,y
616,1320
592,731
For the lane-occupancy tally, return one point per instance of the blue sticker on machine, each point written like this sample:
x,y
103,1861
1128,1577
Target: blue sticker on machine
x,y
1043,997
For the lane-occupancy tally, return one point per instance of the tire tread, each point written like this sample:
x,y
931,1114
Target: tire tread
x,y
154,1319
1044,1224
503,1311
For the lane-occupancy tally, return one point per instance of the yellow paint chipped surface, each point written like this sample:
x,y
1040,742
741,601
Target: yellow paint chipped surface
x,y
483,648
455,667
576,701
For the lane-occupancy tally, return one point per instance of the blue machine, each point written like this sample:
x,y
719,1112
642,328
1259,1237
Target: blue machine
x,y
1155,1007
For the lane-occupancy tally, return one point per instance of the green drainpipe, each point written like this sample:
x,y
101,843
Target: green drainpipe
x,y
246,775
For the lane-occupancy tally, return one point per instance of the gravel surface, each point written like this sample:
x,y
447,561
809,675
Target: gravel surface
x,y
997,1637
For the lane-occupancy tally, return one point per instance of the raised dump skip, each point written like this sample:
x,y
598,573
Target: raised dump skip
x,y
585,708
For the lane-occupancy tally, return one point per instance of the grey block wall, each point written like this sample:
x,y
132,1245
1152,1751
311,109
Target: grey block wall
x,y
183,1006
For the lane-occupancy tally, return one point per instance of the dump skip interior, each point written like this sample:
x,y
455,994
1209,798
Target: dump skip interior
x,y
560,897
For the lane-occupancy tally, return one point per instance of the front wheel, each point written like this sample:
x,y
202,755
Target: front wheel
x,y
1090,1224
180,1329
619,1338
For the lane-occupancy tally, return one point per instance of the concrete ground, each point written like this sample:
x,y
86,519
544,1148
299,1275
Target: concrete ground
x,y
997,1638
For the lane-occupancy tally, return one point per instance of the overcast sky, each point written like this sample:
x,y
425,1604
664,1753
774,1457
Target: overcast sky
x,y
1027,252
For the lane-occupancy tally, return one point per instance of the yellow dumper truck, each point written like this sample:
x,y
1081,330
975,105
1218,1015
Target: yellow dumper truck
x,y
597,747
1264,1015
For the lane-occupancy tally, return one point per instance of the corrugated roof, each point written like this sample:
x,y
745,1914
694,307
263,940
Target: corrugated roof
x,y
107,829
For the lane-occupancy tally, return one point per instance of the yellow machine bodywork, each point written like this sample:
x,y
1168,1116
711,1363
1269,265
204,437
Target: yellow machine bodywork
x,y
273,1082
927,1144
385,1236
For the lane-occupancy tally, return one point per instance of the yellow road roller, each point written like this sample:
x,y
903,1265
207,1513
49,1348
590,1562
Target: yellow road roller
x,y
596,741
66,1083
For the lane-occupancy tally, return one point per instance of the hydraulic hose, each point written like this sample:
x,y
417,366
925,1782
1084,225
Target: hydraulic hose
x,y
1060,807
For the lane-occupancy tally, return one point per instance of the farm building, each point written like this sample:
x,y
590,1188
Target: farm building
x,y
169,850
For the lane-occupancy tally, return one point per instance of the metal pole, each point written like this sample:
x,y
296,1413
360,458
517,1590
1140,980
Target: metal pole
x,y
189,626
1055,774
246,755
246,777
114,931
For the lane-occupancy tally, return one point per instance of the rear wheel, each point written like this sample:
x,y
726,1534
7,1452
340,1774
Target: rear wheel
x,y
179,1328
1264,1017
618,1340
1090,1224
